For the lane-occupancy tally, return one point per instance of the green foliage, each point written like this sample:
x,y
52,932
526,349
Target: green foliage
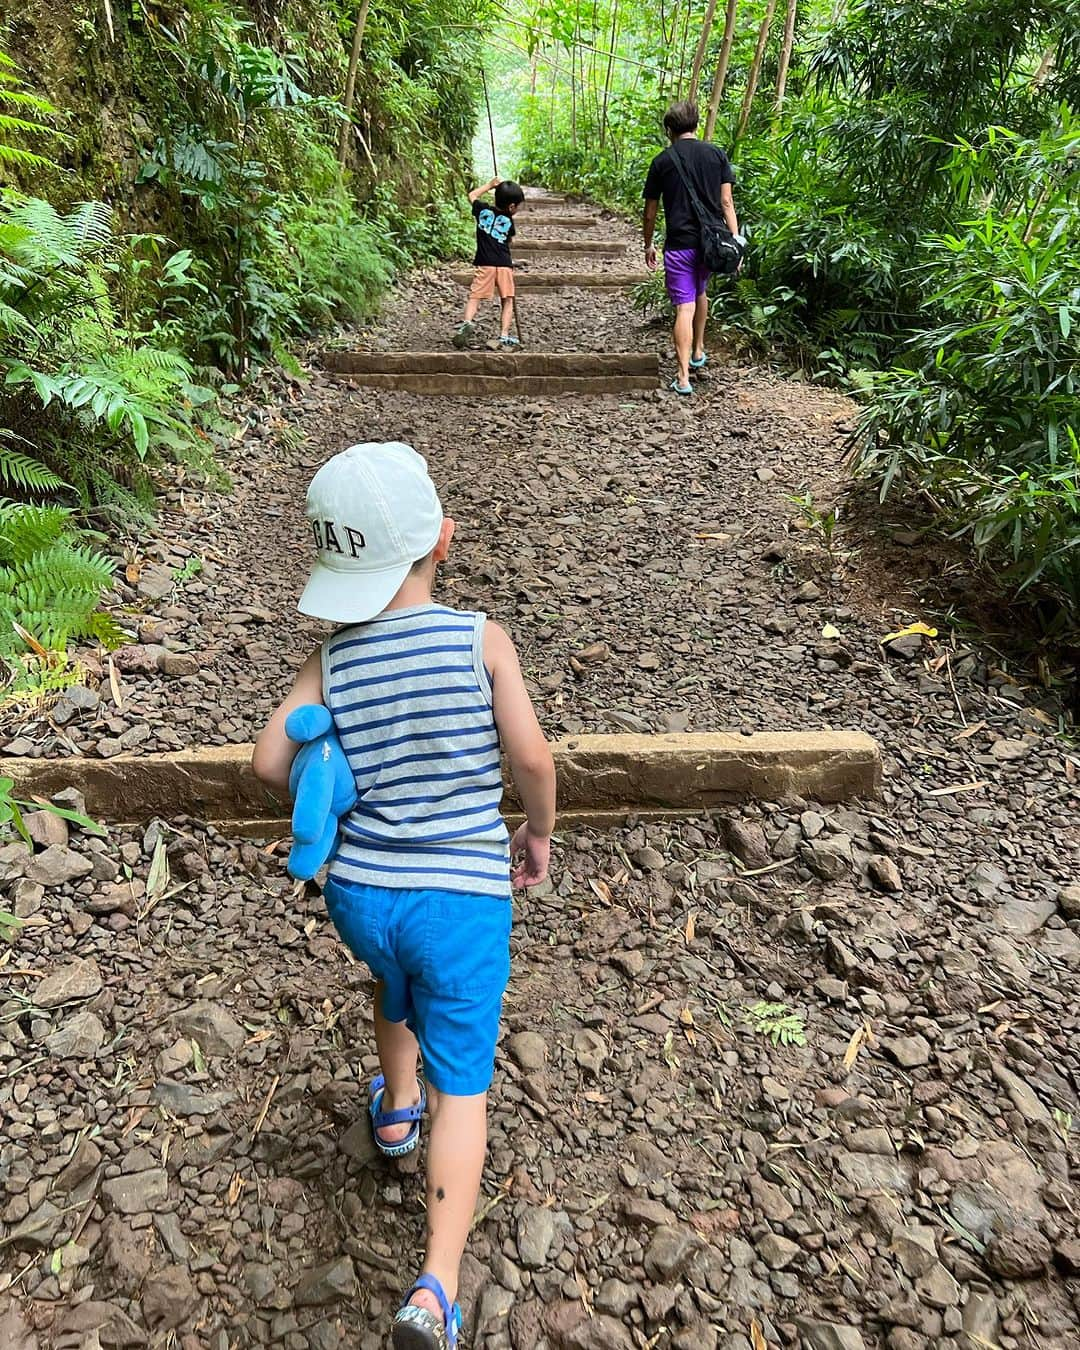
x,y
24,114
981,408
51,582
777,1023
912,211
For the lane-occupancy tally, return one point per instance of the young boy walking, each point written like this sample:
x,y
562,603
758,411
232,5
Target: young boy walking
x,y
422,697
494,265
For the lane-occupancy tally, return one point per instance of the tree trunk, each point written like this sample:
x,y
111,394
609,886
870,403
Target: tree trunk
x,y
350,81
610,69
682,52
755,69
720,77
785,52
699,54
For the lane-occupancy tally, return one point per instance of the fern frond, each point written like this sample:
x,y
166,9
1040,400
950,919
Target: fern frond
x,y
19,470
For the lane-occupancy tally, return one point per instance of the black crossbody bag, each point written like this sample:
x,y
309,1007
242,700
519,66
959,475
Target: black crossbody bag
x,y
720,251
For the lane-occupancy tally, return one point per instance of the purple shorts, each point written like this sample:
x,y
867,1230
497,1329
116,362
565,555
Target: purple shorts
x,y
685,274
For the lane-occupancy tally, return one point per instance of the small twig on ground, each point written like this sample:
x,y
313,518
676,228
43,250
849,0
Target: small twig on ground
x,y
266,1106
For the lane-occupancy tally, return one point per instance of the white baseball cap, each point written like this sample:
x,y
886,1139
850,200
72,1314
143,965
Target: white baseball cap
x,y
374,512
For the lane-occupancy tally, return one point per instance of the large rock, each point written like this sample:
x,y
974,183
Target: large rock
x,y
326,1284
125,1255
15,1332
115,1329
82,1164
168,1298
528,1049
829,1335
599,1333
136,1192
183,1100
669,1253
1022,1253
80,1037
58,865
214,1027
535,1236
1069,900
46,828
828,857
79,979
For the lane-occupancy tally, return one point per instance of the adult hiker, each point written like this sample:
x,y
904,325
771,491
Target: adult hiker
x,y
694,179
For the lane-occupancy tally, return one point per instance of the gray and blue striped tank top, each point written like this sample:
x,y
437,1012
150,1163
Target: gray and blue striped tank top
x,y
412,704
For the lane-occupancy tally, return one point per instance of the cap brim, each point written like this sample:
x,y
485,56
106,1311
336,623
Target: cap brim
x,y
350,597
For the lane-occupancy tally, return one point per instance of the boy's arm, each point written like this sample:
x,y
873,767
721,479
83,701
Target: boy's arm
x,y
477,193
274,751
527,750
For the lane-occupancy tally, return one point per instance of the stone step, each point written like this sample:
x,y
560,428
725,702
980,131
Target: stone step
x,y
499,373
546,281
615,775
586,246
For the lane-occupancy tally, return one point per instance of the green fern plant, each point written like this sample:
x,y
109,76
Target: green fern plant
x,y
51,583
22,113
777,1023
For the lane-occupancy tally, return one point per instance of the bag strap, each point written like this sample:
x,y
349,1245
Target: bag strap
x,y
703,214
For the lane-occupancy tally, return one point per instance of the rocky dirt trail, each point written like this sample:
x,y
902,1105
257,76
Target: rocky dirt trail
x,y
790,1075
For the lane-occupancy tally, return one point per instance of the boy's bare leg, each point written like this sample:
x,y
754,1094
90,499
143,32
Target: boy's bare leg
x,y
471,306
398,1057
506,319
456,1148
701,314
683,335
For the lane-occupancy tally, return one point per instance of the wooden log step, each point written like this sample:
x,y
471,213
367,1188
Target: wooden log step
x,y
499,373
557,218
586,246
546,281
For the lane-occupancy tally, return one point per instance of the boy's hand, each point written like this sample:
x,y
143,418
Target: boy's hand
x,y
535,851
650,258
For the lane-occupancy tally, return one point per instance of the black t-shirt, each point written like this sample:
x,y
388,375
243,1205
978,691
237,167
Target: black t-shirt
x,y
707,167
494,230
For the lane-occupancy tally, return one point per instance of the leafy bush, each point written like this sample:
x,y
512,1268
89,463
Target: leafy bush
x,y
982,409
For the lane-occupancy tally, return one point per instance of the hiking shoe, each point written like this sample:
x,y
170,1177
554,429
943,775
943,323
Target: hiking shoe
x,y
507,340
463,334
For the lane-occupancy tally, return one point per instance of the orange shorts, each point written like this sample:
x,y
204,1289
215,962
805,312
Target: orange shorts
x,y
488,280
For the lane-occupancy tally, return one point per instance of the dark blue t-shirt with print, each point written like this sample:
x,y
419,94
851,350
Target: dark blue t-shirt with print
x,y
494,230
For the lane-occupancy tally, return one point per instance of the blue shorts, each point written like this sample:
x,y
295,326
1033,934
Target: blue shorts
x,y
444,960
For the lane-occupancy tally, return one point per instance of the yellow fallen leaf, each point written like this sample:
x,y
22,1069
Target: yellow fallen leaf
x,y
757,1336
691,926
830,631
920,628
862,1035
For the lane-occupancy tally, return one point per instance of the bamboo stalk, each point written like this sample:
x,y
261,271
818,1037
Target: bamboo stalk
x,y
720,78
350,80
755,69
785,52
699,54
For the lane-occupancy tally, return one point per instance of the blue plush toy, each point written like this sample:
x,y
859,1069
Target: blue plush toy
x,y
322,787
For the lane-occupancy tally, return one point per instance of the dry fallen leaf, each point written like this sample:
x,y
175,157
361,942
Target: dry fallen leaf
x,y
757,1336
862,1035
911,629
830,630
600,889
115,686
691,926
235,1187
959,787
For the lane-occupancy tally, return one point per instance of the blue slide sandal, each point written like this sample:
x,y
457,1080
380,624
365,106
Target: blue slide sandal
x,y
406,1114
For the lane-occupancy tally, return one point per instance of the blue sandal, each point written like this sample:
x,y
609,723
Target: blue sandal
x,y
681,389
417,1329
380,1119
699,362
